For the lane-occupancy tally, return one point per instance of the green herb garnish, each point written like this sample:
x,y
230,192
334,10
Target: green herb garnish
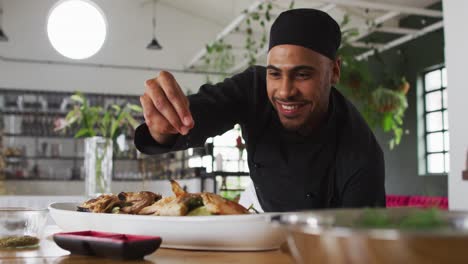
x,y
421,219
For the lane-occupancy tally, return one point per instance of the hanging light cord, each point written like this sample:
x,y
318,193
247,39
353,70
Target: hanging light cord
x,y
154,18
1,13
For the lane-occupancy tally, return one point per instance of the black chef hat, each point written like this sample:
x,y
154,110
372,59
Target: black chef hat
x,y
309,28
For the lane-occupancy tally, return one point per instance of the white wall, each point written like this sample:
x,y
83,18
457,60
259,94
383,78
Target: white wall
x,y
456,55
129,31
86,79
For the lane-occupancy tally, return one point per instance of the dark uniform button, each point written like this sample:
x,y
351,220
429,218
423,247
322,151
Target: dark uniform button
x,y
310,195
256,165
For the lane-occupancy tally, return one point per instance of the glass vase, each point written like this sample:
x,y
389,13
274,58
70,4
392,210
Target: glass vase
x,y
98,165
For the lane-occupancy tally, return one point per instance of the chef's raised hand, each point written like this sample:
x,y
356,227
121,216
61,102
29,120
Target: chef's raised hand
x,y
166,108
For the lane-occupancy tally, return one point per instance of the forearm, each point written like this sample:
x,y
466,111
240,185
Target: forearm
x,y
215,109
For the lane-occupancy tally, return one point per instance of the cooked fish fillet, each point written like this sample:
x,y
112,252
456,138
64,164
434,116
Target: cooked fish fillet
x,y
169,206
216,204
101,204
176,189
133,202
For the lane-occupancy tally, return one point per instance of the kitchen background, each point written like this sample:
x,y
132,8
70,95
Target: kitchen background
x,y
415,39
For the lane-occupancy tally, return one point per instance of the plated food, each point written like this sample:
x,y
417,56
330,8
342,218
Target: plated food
x,y
181,203
184,220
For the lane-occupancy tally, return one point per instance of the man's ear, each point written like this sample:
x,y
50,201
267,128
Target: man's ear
x,y
336,71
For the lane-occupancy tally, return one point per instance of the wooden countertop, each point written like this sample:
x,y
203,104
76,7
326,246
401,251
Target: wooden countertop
x,y
49,252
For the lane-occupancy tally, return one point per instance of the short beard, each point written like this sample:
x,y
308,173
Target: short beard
x,y
315,119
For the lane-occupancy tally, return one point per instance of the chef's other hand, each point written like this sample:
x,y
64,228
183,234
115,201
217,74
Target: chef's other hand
x,y
166,108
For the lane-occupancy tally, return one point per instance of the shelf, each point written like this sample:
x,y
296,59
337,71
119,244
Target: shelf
x,y
81,180
59,158
128,159
21,158
38,136
14,159
41,179
48,136
225,174
231,190
35,113
53,158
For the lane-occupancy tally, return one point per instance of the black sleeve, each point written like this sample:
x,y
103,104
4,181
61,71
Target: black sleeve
x,y
366,187
215,109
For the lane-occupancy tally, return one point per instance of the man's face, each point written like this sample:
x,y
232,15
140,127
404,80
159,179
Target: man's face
x,y
298,85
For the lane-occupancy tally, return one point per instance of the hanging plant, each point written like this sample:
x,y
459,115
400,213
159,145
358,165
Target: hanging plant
x,y
383,105
218,58
261,18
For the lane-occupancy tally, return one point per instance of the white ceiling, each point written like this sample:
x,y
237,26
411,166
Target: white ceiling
x,y
222,12
183,28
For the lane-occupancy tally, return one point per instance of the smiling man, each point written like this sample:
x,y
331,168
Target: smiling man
x,y
308,147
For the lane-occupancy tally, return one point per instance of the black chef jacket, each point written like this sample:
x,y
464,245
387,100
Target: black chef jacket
x,y
338,165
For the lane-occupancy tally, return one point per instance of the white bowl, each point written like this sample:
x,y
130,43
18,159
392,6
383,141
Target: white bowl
x,y
225,232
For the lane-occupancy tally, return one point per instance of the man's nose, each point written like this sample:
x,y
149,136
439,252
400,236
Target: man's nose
x,y
286,89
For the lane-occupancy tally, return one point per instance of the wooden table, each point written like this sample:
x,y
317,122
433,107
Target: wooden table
x,y
49,252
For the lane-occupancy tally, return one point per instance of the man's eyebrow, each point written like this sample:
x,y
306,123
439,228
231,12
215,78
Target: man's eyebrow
x,y
271,67
303,67
293,69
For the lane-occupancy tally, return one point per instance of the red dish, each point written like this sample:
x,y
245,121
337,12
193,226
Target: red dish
x,y
110,245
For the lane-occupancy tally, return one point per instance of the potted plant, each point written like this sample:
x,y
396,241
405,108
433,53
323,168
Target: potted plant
x,y
100,127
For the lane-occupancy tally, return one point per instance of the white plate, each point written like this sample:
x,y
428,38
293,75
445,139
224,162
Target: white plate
x,y
227,232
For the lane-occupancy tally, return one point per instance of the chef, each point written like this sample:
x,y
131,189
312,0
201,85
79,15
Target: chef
x,y
308,147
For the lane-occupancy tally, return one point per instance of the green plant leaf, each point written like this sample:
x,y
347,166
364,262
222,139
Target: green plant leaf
x,y
78,97
391,144
116,107
255,16
133,123
84,132
387,122
135,108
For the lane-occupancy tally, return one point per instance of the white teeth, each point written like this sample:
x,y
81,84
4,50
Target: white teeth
x,y
290,107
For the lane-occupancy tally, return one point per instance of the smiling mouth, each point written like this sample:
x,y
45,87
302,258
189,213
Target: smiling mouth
x,y
290,109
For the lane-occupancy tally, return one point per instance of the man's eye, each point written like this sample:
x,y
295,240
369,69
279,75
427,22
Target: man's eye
x,y
303,75
274,74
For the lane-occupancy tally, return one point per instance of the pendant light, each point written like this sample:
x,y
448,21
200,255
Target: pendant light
x,y
154,44
3,37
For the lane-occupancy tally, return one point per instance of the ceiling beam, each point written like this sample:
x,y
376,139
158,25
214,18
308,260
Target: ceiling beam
x,y
369,45
403,39
366,30
228,29
387,7
396,30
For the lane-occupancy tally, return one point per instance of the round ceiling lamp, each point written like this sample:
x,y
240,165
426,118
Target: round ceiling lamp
x,y
76,29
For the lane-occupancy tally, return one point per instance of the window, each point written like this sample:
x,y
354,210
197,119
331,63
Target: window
x,y
435,117
76,28
227,157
